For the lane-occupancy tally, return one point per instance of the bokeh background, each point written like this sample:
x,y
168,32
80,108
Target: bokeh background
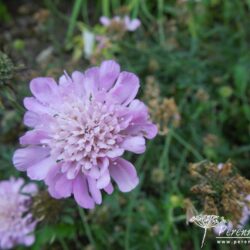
x,y
193,61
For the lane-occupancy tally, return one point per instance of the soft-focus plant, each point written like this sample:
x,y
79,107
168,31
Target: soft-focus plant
x,y
16,220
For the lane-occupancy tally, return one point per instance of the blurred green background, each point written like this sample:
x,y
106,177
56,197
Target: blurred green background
x,y
198,52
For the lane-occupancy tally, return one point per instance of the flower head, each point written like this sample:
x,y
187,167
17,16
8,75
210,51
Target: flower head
x,y
125,23
17,224
164,111
81,128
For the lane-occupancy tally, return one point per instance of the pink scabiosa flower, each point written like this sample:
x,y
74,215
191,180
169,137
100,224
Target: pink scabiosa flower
x,y
81,128
16,222
126,22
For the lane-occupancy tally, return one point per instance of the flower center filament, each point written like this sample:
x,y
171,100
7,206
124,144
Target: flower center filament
x,y
84,132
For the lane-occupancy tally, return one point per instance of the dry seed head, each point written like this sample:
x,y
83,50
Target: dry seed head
x,y
116,30
211,140
45,208
155,230
202,95
202,189
220,189
157,176
41,15
164,111
153,65
210,206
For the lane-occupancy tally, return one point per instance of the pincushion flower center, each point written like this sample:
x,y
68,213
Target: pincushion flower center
x,y
9,214
83,132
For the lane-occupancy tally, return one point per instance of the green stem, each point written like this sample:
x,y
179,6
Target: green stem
x,y
169,225
164,157
160,5
180,165
138,164
146,11
129,218
135,8
240,150
198,156
128,226
86,226
73,18
179,218
54,10
85,12
63,243
11,96
105,8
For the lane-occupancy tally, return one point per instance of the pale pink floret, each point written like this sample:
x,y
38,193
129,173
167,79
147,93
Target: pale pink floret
x,y
129,24
16,222
81,128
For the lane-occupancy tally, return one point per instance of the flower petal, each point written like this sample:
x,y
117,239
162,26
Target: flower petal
x,y
30,188
16,183
33,137
115,152
104,163
81,192
124,174
25,157
28,240
109,71
149,130
109,189
105,21
94,191
44,89
91,81
94,172
139,111
72,171
40,170
103,180
31,119
125,89
31,104
131,25
65,80
51,179
78,78
134,144
64,186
